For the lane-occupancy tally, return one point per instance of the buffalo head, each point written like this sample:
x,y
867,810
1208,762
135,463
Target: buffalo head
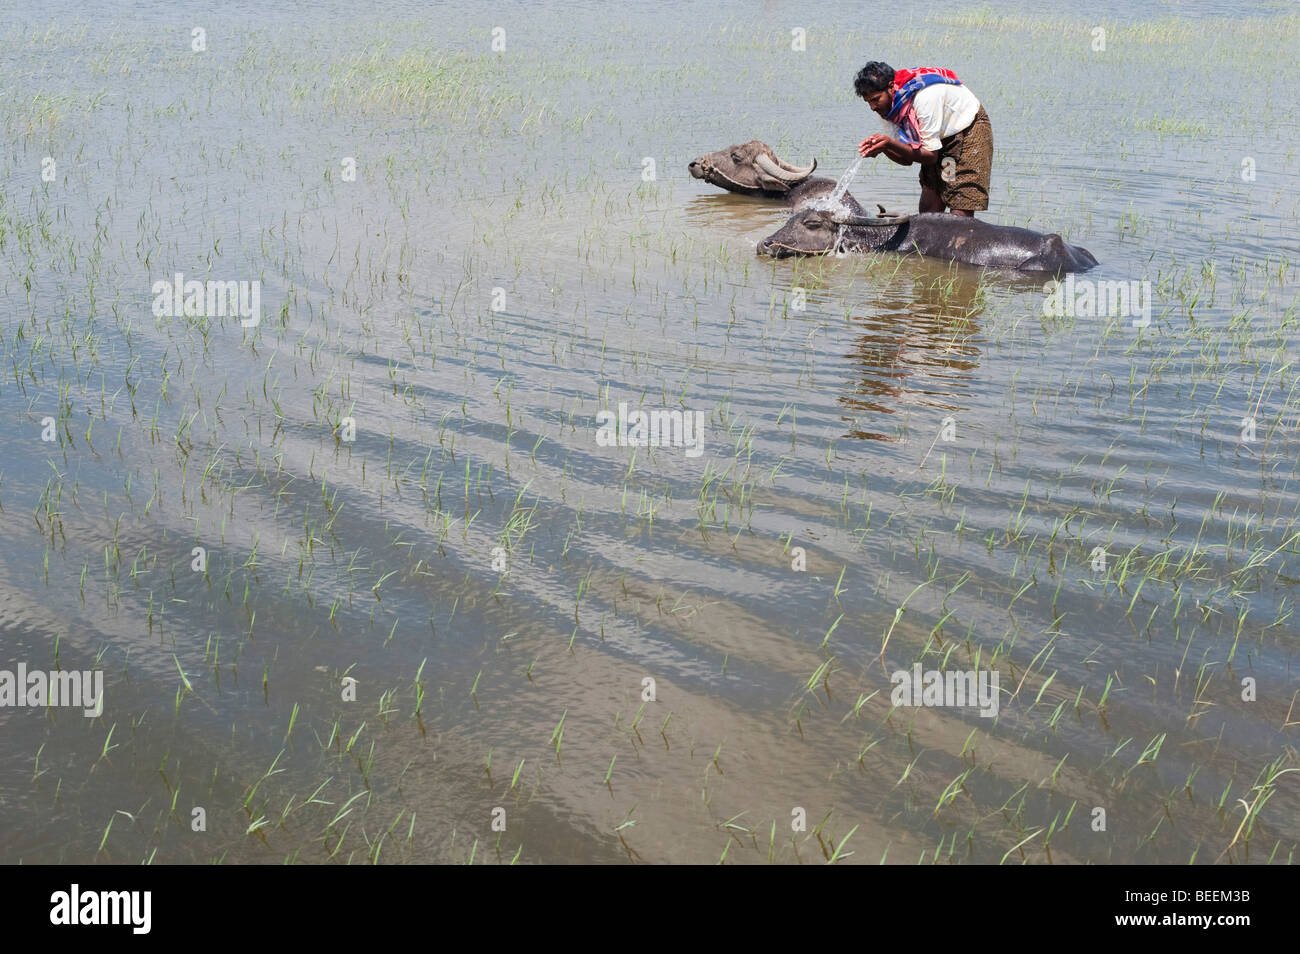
x,y
818,231
750,169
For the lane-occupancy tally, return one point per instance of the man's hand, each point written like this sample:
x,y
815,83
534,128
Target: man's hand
x,y
895,151
873,145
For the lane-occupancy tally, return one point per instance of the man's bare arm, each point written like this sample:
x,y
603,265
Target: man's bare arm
x,y
896,151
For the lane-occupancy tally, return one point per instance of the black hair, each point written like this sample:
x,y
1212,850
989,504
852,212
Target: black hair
x,y
873,78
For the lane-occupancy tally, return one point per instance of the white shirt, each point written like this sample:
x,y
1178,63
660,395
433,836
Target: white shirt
x,y
942,110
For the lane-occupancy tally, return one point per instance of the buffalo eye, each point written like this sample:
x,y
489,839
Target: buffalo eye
x,y
735,157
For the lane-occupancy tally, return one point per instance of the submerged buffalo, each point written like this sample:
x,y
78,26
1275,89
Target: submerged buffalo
x,y
955,238
754,169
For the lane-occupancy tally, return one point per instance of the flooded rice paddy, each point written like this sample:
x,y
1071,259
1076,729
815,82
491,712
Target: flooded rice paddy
x,y
374,571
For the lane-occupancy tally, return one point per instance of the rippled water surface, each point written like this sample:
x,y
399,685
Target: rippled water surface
x,y
395,488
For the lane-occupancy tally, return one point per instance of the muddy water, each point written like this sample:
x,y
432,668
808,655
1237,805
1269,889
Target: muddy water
x,y
902,462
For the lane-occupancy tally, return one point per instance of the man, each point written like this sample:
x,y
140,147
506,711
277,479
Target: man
x,y
936,122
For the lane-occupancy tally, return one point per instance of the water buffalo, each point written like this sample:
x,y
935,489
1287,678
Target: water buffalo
x,y
955,238
754,169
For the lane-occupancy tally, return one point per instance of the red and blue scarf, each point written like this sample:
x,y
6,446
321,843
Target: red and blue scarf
x,y
908,83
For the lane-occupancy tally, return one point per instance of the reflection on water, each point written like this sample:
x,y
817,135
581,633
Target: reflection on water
x,y
915,346
745,217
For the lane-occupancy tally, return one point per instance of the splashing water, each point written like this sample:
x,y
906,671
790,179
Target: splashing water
x,y
841,187
833,201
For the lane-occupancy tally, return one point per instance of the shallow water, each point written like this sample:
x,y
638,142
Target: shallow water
x,y
946,458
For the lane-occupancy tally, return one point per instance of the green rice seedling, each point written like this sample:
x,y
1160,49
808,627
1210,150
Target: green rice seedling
x,y
857,706
1105,694
834,624
952,790
1019,846
1264,788
557,734
293,718
355,735
104,840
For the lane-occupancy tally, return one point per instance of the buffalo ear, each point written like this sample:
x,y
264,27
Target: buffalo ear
x,y
771,183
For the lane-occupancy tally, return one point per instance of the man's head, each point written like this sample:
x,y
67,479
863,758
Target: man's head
x,y
875,84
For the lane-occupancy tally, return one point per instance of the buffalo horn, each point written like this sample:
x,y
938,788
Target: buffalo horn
x,y
847,219
785,175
